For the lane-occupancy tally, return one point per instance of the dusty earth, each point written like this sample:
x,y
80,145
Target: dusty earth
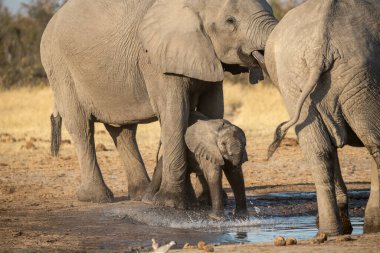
x,y
39,210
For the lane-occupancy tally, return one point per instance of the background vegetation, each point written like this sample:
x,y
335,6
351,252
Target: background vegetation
x,y
20,36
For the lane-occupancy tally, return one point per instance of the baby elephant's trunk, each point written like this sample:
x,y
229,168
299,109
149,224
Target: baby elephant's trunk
x,y
56,125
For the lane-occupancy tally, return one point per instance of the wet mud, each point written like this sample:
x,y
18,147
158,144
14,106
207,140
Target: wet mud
x,y
129,226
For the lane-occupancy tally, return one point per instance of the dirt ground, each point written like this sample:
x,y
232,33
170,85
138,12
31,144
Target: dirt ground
x,y
39,210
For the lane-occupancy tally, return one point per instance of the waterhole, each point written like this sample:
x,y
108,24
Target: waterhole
x,y
289,214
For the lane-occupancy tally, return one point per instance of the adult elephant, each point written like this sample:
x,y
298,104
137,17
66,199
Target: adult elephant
x,y
324,57
128,62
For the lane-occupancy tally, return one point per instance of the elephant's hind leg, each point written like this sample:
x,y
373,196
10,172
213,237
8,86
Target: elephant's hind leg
x,y
317,148
125,142
341,197
364,119
92,187
80,126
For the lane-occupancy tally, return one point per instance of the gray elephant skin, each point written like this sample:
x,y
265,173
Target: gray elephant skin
x,y
214,146
324,58
126,62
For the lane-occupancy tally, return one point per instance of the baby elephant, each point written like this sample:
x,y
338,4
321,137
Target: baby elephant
x,y
214,145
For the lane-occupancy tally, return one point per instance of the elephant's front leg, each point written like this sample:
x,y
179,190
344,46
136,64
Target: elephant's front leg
x,y
236,180
174,114
125,142
213,175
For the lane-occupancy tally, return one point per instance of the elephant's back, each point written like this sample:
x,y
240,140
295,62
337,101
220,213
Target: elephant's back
x,y
96,42
84,25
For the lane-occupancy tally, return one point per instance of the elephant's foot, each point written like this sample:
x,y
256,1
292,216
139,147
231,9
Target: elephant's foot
x,y
204,199
148,196
95,192
241,213
372,220
137,192
170,198
346,223
216,215
329,230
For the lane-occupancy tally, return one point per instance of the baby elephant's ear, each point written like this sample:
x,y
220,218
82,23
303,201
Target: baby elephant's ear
x,y
203,144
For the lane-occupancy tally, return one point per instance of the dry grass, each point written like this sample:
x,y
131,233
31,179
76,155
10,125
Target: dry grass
x,y
256,109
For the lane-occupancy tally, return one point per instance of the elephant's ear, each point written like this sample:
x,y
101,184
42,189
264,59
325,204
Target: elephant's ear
x,y
174,37
203,143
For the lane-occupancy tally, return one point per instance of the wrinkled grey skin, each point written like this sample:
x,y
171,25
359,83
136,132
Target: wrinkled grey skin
x,y
125,62
214,146
324,58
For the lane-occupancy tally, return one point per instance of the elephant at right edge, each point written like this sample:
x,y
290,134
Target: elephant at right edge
x,y
324,58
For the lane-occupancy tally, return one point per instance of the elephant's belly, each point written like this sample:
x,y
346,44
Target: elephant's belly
x,y
118,104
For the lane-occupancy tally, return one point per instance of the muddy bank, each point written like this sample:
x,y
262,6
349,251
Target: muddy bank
x,y
39,210
127,225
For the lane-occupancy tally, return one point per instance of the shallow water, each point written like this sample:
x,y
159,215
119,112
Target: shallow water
x,y
299,227
286,214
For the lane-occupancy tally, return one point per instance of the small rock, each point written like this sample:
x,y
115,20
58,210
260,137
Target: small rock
x,y
291,241
321,237
17,233
208,248
279,241
8,189
344,238
4,164
201,245
189,246
100,147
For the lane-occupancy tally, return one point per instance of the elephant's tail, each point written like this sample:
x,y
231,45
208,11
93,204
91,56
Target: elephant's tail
x,y
282,129
56,125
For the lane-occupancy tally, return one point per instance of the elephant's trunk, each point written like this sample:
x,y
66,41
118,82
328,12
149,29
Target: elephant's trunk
x,y
261,24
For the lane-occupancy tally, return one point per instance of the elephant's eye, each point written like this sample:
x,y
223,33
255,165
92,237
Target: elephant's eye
x,y
231,20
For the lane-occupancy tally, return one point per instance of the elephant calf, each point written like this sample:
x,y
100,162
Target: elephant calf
x,y
213,146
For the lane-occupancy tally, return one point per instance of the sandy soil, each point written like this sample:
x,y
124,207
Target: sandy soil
x,y
39,210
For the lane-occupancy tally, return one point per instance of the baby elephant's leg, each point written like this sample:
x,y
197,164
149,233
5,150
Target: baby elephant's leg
x,y
235,178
